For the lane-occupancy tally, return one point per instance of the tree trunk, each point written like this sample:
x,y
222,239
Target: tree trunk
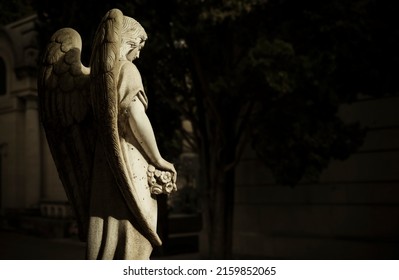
x,y
217,151
221,239
221,202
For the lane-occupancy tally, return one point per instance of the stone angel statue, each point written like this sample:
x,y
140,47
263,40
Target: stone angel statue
x,y
101,139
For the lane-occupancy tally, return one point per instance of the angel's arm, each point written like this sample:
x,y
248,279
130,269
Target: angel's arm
x,y
142,130
141,127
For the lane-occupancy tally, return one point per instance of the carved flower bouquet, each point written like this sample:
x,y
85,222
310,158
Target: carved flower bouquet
x,y
160,181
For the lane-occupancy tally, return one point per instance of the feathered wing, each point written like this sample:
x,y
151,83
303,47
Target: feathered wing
x,y
104,74
66,115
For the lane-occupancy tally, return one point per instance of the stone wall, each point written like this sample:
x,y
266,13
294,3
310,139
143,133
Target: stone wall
x,y
28,175
352,213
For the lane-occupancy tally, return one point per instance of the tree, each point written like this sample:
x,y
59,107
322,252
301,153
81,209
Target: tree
x,y
269,73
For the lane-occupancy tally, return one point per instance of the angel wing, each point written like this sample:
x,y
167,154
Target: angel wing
x,y
64,98
104,74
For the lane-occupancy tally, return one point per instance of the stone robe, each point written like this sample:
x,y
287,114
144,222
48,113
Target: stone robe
x,y
113,231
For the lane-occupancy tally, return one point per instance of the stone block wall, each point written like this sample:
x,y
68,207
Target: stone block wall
x,y
351,213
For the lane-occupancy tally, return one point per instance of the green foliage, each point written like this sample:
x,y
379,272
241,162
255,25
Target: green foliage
x,y
315,57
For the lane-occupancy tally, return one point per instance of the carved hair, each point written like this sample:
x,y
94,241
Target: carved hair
x,y
132,30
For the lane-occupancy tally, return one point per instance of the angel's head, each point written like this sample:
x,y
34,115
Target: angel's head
x,y
133,37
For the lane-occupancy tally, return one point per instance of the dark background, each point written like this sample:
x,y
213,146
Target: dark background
x,y
263,84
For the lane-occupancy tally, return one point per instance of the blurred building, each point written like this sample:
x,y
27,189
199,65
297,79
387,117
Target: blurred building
x,y
28,178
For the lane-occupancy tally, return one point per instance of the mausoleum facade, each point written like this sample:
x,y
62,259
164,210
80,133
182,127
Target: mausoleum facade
x,y
28,177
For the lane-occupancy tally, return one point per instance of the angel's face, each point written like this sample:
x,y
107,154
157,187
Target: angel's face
x,y
134,49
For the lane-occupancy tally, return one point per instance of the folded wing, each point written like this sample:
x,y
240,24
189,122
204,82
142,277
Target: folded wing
x,y
66,115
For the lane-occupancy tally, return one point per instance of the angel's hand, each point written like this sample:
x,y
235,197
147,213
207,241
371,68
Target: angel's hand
x,y
167,166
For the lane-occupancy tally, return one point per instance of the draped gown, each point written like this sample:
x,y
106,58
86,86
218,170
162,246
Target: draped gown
x,y
113,231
